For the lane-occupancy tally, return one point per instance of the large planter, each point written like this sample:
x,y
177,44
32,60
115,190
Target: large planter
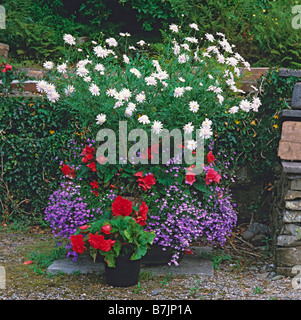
x,y
124,274
156,255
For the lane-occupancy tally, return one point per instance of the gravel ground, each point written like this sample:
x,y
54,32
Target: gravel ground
x,y
240,275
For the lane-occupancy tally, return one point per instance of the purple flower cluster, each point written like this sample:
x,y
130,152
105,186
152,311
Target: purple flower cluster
x,y
67,210
179,219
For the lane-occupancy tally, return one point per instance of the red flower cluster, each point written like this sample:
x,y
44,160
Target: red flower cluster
x,y
210,157
145,182
212,176
141,216
68,172
7,67
88,156
78,244
99,242
122,207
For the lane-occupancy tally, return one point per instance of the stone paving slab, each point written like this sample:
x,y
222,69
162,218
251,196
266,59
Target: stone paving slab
x,y
191,264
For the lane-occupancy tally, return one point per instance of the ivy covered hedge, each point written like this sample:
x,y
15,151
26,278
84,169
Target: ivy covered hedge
x,y
35,136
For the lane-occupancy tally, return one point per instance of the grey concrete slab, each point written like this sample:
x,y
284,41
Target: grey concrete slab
x,y
190,264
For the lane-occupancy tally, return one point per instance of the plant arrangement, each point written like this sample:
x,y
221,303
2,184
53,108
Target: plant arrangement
x,y
184,87
118,232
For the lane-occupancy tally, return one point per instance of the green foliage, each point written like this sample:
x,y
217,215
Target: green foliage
x,y
129,236
34,137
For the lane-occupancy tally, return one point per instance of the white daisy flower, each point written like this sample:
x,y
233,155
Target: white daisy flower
x,y
174,28
82,71
94,90
209,37
150,81
69,39
233,109
191,145
101,52
206,123
111,42
136,72
48,65
111,92
140,97
194,106
194,26
179,91
141,43
157,127
206,132
126,59
144,119
69,90
125,94
183,58
41,85
245,105
53,96
188,128
99,67
62,68
101,118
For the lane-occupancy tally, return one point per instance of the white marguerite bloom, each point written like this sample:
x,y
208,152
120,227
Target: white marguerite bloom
x,y
126,59
144,119
118,104
53,96
221,58
206,132
185,46
225,45
188,88
94,89
231,61
111,42
157,127
87,79
209,37
99,67
62,68
162,75
111,92
245,105
176,49
141,43
101,52
233,109
183,58
178,92
101,118
206,123
188,128
41,85
191,145
192,39
48,65
136,72
82,71
256,103
140,97
69,90
49,88
174,28
150,81
194,26
220,98
194,106
69,39
125,94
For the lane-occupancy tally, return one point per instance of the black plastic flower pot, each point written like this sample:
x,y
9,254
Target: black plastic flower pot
x,y
124,274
